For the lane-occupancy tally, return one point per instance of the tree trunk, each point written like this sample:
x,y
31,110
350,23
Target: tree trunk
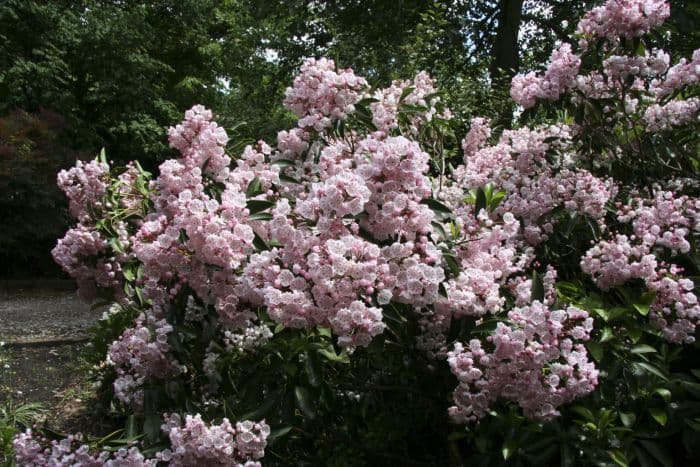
x,y
504,55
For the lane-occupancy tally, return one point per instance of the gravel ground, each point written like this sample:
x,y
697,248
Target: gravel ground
x,y
36,315
49,370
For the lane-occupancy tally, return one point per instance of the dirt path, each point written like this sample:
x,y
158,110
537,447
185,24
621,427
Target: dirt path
x,y
40,354
38,315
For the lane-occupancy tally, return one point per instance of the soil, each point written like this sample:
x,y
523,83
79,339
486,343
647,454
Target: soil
x,y
43,334
40,315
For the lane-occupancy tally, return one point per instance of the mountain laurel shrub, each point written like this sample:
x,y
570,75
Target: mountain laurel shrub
x,y
370,291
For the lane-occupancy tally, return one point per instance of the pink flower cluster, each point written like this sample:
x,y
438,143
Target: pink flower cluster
x,y
84,186
623,18
82,254
684,73
395,172
537,360
665,222
130,198
322,94
421,92
141,352
618,68
201,142
343,194
194,443
487,257
535,187
478,135
675,113
331,284
559,77
199,443
32,451
194,238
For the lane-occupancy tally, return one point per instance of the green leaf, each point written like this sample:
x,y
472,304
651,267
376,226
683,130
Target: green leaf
x,y
584,412
496,199
693,388
571,223
480,202
116,245
367,100
131,428
440,230
151,427
442,290
260,216
263,409
128,273
329,354
436,206
254,187
259,243
634,334
508,449
456,435
488,192
628,418
486,327
537,288
452,262
183,236
664,393
659,415
303,399
279,433
406,92
257,205
596,350
288,179
619,457
284,163
643,303
311,369
694,424
606,335
648,368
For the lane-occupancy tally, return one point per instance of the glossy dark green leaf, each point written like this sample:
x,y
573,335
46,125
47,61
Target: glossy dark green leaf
x,y
537,287
288,179
628,419
619,457
480,202
508,449
659,415
257,205
283,163
279,433
436,206
259,243
260,216
304,401
643,303
407,90
254,187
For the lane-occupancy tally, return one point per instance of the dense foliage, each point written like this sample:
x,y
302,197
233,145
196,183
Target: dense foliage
x,y
376,289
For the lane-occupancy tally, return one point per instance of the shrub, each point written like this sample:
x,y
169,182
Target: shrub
x,y
376,300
